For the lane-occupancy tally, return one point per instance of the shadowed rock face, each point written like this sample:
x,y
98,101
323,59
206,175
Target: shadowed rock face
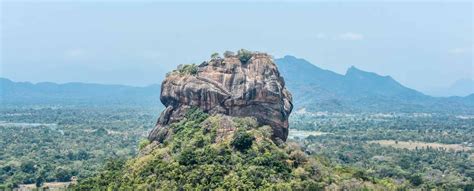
x,y
228,86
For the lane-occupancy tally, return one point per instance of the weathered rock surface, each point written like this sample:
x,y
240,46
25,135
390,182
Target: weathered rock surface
x,y
229,87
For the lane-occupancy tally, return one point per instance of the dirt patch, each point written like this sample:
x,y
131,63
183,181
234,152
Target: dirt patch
x,y
293,133
47,185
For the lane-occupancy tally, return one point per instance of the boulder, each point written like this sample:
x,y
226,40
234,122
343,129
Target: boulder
x,y
250,87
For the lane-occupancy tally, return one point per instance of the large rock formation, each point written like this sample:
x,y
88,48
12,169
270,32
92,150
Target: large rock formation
x,y
242,85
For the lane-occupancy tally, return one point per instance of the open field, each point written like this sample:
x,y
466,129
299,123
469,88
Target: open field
x,y
412,145
48,185
25,125
293,133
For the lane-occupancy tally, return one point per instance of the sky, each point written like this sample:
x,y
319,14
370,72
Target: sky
x,y
423,45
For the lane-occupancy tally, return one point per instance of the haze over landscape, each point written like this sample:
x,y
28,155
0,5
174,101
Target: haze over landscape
x,y
236,95
106,42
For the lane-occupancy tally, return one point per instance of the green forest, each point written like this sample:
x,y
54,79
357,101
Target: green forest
x,y
106,147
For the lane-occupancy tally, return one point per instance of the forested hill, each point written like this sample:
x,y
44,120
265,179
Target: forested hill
x,y
14,93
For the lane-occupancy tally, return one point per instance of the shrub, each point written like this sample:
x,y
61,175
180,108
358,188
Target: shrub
x,y
215,55
228,54
242,140
28,167
63,174
101,131
298,158
143,143
187,69
245,123
187,157
196,114
416,179
244,55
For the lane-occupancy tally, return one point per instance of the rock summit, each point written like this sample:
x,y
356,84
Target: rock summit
x,y
247,84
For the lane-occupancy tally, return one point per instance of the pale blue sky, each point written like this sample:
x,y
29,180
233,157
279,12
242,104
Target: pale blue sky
x,y
422,45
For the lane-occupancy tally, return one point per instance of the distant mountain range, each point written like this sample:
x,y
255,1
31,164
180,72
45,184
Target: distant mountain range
x,y
313,88
15,93
462,87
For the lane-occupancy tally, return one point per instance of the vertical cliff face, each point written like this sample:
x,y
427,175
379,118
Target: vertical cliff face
x,y
234,86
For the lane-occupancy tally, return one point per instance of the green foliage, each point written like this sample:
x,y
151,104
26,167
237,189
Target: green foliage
x,y
214,55
242,141
228,54
197,115
62,174
101,132
192,161
416,179
187,69
28,167
143,143
246,123
75,141
348,144
108,177
44,144
244,55
298,158
187,157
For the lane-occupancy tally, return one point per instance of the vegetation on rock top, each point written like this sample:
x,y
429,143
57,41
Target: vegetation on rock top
x,y
185,69
244,55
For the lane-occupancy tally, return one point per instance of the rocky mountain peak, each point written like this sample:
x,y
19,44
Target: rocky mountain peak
x,y
247,84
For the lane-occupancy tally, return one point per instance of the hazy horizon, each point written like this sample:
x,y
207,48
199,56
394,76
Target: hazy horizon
x,y
130,95
137,43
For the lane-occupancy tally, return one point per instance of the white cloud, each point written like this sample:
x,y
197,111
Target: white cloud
x,y
351,36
